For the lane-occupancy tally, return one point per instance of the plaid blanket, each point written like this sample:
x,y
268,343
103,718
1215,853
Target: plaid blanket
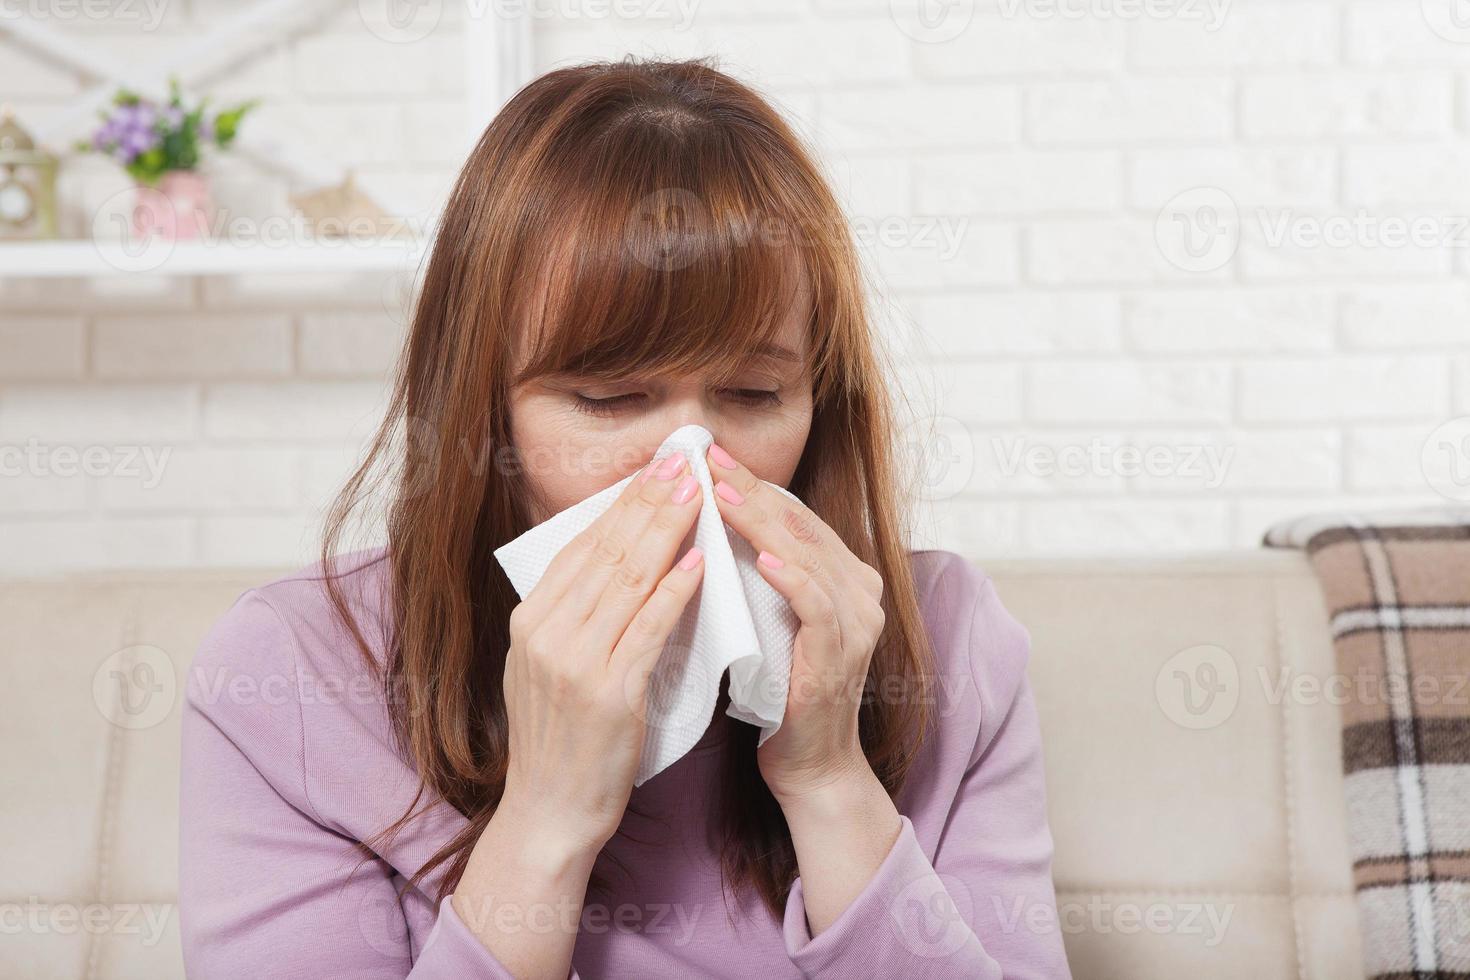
x,y
1397,589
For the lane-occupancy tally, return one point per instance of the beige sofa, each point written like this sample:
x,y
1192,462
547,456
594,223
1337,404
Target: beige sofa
x,y
1199,821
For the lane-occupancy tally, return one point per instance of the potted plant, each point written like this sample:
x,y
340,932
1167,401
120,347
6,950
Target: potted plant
x,y
158,144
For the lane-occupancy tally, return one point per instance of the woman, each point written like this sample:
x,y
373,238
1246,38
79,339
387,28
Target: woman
x,y
393,768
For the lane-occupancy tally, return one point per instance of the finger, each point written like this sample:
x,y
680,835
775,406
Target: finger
x,y
641,645
569,562
820,615
654,551
615,542
792,532
772,521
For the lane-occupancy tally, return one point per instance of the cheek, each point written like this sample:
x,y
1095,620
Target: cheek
x,y
772,452
565,460
562,472
558,496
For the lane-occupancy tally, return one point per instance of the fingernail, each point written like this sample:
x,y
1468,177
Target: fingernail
x,y
670,466
729,493
720,456
685,489
769,560
691,558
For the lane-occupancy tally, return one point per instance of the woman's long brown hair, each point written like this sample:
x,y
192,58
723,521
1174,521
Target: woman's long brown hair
x,y
633,217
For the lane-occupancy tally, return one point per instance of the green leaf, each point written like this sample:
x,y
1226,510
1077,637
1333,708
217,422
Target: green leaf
x,y
227,123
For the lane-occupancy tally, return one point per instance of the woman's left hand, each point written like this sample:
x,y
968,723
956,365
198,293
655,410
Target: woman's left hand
x,y
837,599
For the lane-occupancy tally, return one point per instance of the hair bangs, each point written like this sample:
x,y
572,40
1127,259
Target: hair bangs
x,y
654,280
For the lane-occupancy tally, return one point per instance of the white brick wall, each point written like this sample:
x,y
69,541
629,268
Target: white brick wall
x,y
1098,389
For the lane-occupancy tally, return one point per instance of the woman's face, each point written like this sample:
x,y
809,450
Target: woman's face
x,y
572,446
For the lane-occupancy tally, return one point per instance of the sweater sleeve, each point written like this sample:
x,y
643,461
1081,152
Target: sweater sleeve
x,y
266,886
985,907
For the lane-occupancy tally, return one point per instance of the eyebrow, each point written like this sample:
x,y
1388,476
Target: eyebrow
x,y
777,352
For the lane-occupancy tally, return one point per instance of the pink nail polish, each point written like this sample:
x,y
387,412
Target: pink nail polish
x,y
691,558
670,466
685,490
769,560
720,456
729,493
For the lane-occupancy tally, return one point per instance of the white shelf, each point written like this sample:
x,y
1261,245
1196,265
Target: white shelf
x,y
52,259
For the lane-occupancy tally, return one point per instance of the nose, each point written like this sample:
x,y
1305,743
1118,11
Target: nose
x,y
688,411
686,407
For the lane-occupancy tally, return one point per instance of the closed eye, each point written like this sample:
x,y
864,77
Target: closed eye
x,y
604,407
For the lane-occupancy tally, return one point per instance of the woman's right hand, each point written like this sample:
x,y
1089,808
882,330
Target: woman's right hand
x,y
582,647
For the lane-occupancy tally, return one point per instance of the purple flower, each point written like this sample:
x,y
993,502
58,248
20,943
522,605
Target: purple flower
x,y
139,140
125,116
128,130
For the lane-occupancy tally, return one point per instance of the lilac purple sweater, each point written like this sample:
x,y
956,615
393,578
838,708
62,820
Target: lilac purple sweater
x,y
288,760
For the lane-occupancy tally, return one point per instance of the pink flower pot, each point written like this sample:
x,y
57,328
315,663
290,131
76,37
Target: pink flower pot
x,y
176,210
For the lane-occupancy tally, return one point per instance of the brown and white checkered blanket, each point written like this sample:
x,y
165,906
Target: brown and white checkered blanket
x,y
1397,589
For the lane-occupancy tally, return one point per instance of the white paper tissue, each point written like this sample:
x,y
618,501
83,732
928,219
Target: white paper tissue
x,y
736,621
